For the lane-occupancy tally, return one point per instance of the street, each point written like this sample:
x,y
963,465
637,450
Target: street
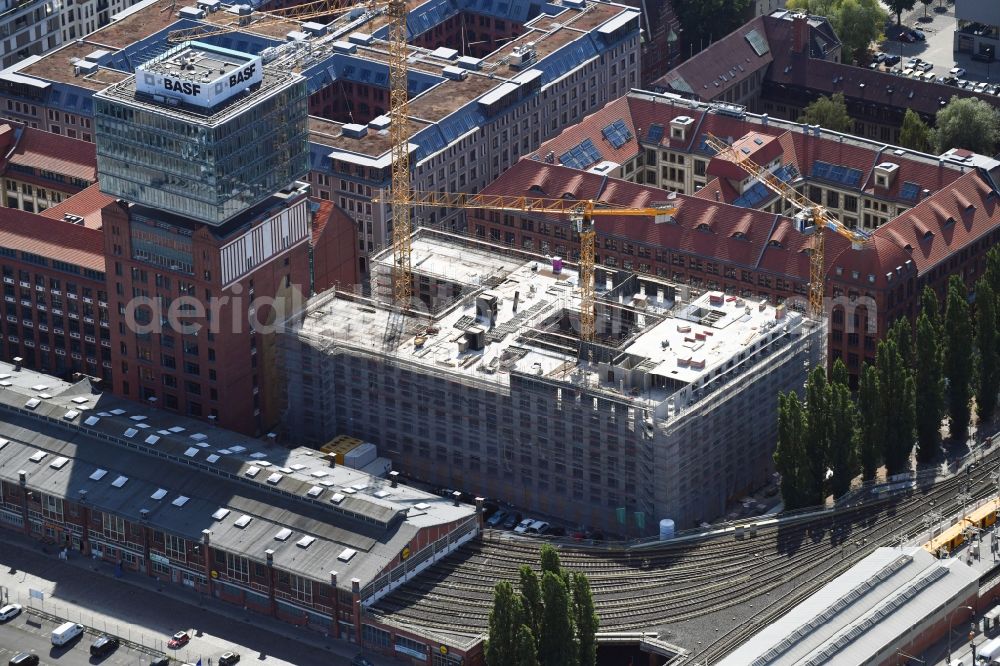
x,y
26,633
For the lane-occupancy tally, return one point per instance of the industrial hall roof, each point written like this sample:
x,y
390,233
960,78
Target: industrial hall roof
x,y
123,458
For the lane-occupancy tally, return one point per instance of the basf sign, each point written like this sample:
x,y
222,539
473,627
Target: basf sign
x,y
199,74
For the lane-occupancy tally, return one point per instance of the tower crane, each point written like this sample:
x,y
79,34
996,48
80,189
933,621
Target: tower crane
x,y
581,212
302,12
808,211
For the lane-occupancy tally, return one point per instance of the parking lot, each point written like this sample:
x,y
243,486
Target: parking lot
x,y
932,58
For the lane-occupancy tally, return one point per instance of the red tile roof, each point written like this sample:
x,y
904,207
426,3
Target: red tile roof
x,y
88,204
720,67
945,223
56,153
57,240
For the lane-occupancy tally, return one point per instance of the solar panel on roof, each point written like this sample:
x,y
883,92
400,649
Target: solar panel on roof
x,y
581,155
836,173
617,133
909,191
655,133
757,42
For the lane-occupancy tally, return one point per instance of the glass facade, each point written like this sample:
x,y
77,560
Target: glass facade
x,y
206,168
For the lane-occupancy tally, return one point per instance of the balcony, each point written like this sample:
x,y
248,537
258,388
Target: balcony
x,y
107,364
90,338
74,335
77,356
41,307
28,323
10,299
102,304
89,320
56,292
12,319
25,302
60,352
58,331
8,280
88,300
44,348
26,285
106,343
57,311
92,361
104,323
70,295
74,315
43,328
39,287
29,343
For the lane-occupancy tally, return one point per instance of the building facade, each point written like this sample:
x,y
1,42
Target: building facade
x,y
978,28
493,391
40,170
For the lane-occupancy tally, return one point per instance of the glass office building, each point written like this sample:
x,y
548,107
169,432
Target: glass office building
x,y
202,132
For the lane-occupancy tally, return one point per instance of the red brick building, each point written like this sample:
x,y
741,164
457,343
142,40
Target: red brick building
x,y
40,169
756,253
55,306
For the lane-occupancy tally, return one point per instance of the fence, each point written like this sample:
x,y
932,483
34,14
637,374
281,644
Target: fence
x,y
57,614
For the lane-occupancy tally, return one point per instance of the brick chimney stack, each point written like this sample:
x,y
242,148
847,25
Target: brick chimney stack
x,y
800,34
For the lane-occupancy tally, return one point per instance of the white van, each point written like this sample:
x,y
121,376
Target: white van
x,y
66,632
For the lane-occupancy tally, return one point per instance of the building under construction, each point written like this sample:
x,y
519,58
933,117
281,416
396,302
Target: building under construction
x,y
669,413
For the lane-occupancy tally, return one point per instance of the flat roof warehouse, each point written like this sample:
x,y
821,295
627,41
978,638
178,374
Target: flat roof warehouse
x,y
75,444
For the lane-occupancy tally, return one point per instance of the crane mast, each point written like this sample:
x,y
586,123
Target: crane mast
x,y
400,194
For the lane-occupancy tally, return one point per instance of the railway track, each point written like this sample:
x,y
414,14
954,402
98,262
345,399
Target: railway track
x,y
657,587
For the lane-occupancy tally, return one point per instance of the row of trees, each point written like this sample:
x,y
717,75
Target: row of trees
x,y
551,621
964,122
920,376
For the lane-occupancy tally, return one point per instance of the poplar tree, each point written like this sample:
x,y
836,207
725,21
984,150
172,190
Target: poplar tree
x,y
988,380
929,376
505,620
524,647
550,559
586,620
531,596
902,332
790,454
843,454
871,424
897,406
818,427
557,644
958,359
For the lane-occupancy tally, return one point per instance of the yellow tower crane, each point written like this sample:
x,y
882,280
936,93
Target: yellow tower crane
x,y
808,211
581,212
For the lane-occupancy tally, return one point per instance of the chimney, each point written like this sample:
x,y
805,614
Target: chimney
x,y
17,363
454,496
332,459
22,477
269,554
206,536
393,478
143,515
800,34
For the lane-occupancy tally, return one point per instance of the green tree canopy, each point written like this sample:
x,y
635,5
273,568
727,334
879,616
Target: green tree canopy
x,y
531,596
897,7
557,645
818,427
988,379
958,358
705,21
828,112
871,424
586,620
843,454
790,454
524,647
915,134
858,23
967,122
896,391
550,559
902,332
505,619
929,377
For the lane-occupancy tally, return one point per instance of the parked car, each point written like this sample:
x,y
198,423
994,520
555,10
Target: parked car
x,y
980,87
24,659
537,527
179,640
513,518
907,37
9,612
229,658
891,60
104,645
957,72
523,526
497,519
918,34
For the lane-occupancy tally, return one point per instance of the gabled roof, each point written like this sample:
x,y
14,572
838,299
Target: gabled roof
x,y
45,151
946,222
88,204
57,240
723,65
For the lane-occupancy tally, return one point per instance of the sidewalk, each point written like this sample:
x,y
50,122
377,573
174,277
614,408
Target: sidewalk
x,y
83,589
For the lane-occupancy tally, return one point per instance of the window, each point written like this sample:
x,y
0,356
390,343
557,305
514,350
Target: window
x,y
301,588
237,568
176,547
113,527
52,508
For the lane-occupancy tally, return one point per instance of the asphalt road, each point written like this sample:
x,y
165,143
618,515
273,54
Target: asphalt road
x,y
26,633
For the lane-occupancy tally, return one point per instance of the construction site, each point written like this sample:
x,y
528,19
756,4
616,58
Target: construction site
x,y
667,414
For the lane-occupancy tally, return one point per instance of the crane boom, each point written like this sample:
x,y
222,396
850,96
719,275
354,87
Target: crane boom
x,y
821,217
581,212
